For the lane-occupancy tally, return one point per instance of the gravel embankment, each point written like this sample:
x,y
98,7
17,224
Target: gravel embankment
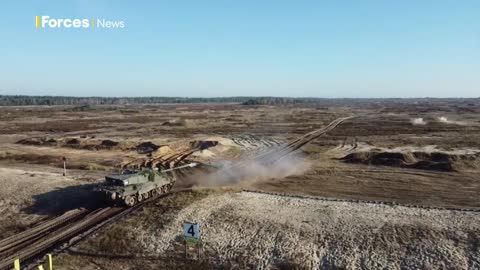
x,y
267,231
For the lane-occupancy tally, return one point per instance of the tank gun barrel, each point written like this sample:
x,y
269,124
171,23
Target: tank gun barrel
x,y
190,165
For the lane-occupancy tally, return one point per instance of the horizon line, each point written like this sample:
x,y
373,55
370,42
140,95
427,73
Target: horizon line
x,y
227,97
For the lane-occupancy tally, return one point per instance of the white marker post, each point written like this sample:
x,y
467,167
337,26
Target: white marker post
x,y
191,236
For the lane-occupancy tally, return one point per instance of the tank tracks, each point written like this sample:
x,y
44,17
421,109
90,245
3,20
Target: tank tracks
x,y
272,156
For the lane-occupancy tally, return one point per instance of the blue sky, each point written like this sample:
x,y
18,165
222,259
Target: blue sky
x,y
354,48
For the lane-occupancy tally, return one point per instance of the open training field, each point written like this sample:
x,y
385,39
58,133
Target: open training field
x,y
339,184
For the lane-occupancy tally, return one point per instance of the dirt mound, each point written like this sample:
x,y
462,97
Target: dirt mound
x,y
146,147
73,141
37,141
202,144
436,161
108,143
103,145
91,144
85,142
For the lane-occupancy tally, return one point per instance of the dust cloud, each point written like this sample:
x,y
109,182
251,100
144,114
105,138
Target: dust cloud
x,y
418,121
441,119
445,120
251,170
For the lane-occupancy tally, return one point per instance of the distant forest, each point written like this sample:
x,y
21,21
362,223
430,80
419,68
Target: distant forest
x,y
62,100
19,100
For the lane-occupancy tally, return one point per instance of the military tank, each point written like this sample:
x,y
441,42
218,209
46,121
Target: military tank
x,y
132,187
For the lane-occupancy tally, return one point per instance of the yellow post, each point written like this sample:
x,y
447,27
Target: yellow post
x,y
50,261
40,267
16,264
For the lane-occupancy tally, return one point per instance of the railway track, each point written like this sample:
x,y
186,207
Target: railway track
x,y
13,243
70,228
28,244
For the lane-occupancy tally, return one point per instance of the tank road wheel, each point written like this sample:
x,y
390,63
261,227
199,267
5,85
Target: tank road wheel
x,y
153,192
139,198
146,195
129,200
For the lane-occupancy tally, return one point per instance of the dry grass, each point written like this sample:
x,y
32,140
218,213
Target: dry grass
x,y
390,127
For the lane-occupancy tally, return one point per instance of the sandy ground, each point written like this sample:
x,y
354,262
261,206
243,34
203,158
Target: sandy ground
x,y
30,194
251,230
248,230
17,188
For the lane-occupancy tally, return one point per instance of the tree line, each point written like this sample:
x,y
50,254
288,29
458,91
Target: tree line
x,y
20,100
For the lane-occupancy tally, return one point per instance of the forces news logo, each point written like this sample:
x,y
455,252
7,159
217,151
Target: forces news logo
x,y
47,22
